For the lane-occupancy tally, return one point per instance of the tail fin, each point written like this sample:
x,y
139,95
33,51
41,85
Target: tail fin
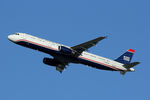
x,y
126,57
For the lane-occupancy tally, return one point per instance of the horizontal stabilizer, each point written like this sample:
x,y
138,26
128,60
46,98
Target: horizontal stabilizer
x,y
131,65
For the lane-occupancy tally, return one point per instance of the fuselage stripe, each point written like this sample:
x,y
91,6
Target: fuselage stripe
x,y
37,44
99,63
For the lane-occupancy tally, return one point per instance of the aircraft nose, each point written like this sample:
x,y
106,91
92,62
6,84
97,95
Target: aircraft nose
x,y
11,38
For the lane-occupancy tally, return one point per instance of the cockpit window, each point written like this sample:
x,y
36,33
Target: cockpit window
x,y
17,34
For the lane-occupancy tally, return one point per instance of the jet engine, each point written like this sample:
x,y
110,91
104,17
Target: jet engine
x,y
52,62
66,50
49,61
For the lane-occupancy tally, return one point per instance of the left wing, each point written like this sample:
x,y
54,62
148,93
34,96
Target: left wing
x,y
86,45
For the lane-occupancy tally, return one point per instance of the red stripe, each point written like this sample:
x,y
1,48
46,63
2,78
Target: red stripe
x,y
100,63
131,50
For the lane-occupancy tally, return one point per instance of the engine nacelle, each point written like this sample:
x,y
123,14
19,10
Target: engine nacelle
x,y
49,61
66,50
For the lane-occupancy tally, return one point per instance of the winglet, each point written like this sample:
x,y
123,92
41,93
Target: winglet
x,y
131,50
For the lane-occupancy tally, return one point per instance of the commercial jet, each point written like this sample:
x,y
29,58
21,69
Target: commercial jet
x,y
63,55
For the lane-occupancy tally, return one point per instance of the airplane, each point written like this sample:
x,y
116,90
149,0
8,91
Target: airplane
x,y
64,55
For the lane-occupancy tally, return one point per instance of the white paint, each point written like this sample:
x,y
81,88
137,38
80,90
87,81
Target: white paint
x,y
101,60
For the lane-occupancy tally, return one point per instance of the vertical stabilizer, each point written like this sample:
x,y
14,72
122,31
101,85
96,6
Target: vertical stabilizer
x,y
126,57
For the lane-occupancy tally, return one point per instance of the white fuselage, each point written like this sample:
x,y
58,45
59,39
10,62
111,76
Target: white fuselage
x,y
54,46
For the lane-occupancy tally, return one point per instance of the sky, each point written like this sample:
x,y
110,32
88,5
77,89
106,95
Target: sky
x,y
23,76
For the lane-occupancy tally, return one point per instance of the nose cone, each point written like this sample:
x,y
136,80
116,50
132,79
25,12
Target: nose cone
x,y
11,38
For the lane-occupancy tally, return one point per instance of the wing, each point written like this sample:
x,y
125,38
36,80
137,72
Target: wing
x,y
85,46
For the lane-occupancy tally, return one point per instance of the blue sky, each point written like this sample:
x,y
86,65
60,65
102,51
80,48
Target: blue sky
x,y
23,76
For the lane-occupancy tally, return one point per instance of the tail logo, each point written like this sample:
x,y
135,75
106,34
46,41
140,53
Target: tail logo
x,y
126,58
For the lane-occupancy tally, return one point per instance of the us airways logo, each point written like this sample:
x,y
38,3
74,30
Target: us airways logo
x,y
126,58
